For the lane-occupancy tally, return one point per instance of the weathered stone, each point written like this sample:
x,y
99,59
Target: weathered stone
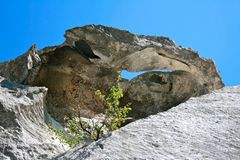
x,y
23,132
153,92
90,58
206,127
124,50
72,81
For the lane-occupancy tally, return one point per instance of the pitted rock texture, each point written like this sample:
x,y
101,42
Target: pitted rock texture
x,y
125,50
72,81
23,132
206,127
160,91
90,59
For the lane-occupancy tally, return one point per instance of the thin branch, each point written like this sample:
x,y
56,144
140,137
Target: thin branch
x,y
83,128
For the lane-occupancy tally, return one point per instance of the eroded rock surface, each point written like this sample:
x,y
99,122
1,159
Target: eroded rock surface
x,y
23,132
90,59
160,91
124,50
206,127
72,81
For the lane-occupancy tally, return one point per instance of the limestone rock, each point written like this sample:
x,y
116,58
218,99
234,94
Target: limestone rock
x,y
90,59
124,50
72,81
206,127
23,132
23,69
153,92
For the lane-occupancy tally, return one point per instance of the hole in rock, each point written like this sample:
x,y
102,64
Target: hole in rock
x,y
130,75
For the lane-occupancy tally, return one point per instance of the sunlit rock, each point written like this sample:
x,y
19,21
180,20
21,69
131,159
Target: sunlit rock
x,y
90,59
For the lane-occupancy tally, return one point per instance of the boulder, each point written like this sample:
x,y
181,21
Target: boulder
x,y
154,92
206,127
90,59
24,134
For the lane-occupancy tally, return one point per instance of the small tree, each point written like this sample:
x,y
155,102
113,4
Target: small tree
x,y
113,118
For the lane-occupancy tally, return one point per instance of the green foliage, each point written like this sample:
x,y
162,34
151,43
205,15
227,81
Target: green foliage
x,y
113,118
91,130
79,128
71,140
114,114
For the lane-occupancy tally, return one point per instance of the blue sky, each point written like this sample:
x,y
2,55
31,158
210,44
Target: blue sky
x,y
212,27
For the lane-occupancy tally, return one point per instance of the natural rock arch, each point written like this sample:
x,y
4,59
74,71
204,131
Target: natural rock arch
x,y
90,59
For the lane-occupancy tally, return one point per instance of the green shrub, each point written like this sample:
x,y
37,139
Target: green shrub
x,y
113,118
114,114
80,129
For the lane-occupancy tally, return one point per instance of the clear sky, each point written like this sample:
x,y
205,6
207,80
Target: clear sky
x,y
212,27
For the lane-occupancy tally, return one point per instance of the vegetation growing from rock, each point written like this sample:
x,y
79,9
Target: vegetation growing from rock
x,y
79,129
71,139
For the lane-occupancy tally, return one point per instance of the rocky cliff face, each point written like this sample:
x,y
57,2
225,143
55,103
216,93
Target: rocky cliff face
x,y
23,132
90,59
207,127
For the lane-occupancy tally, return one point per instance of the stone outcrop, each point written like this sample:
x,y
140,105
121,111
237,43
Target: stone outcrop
x,y
160,91
124,50
206,127
24,134
90,59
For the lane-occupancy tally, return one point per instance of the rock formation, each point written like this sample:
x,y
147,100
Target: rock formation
x,y
23,132
206,127
90,59
160,91
66,78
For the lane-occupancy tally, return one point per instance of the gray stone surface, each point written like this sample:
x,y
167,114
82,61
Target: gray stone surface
x,y
23,69
23,132
124,50
154,92
90,59
207,127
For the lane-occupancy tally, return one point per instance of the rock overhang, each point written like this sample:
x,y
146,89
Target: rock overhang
x,y
124,50
91,57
